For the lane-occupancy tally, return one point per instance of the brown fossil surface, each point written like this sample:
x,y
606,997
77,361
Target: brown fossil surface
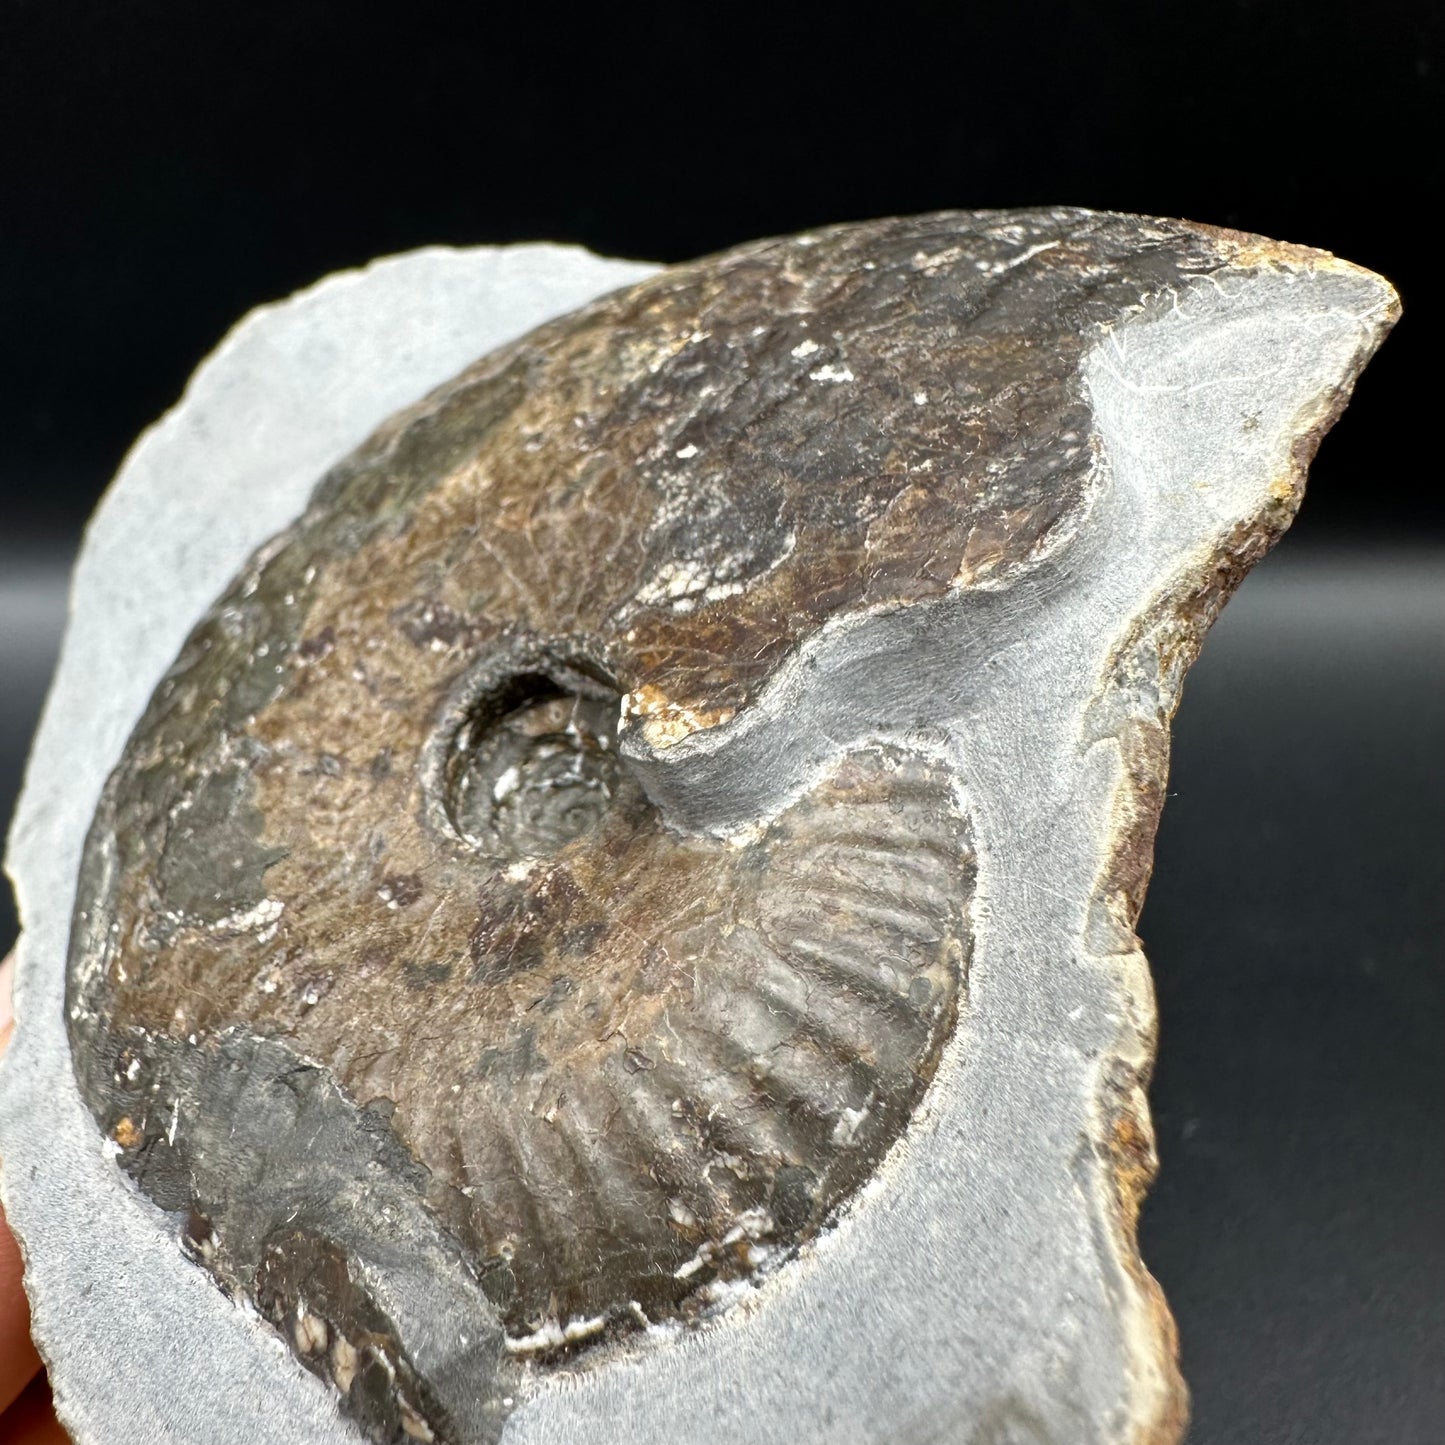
x,y
395,978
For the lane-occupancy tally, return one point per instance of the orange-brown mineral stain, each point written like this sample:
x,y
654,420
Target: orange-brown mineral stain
x,y
126,1133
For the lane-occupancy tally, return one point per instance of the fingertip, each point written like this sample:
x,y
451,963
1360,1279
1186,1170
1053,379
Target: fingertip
x,y
31,1419
7,1009
18,1361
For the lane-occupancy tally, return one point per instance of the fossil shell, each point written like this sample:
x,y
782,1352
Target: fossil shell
x,y
542,891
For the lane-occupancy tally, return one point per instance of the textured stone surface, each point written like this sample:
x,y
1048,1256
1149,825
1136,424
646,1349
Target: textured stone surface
x,y
675,802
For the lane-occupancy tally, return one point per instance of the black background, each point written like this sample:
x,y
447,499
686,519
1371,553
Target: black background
x,y
166,166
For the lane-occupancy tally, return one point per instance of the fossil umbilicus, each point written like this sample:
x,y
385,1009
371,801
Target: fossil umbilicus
x,y
625,907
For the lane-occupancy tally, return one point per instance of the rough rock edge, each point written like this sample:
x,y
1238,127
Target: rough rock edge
x,y
1176,628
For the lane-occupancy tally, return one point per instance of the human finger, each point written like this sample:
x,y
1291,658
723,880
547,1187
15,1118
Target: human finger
x,y
31,1419
18,1361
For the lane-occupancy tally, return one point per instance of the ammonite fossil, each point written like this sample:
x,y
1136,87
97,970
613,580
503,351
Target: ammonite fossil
x,y
527,932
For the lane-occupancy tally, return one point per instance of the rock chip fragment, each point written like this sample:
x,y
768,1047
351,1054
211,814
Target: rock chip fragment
x,y
625,906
